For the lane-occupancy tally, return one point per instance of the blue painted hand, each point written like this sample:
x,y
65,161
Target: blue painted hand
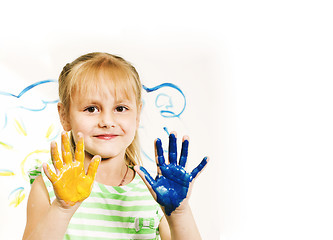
x,y
172,183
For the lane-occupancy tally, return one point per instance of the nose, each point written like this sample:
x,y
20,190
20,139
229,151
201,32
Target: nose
x,y
106,121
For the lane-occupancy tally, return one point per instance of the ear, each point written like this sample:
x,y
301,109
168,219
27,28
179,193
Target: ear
x,y
64,117
138,116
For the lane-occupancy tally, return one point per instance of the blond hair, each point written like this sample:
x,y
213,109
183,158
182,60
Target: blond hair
x,y
95,70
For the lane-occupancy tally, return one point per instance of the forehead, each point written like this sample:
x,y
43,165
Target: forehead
x,y
103,92
103,83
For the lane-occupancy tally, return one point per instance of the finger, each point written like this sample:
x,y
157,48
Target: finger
x,y
199,168
57,163
156,160
172,149
92,168
49,173
145,176
159,151
184,153
66,149
79,150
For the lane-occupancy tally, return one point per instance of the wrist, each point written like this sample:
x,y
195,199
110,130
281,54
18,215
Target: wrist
x,y
179,213
62,206
182,224
182,209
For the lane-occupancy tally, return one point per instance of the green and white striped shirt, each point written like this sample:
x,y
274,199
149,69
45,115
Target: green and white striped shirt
x,y
125,212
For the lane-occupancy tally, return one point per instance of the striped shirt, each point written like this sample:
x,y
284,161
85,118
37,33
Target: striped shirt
x,y
125,212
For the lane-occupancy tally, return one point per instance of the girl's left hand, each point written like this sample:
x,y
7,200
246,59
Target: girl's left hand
x,y
172,183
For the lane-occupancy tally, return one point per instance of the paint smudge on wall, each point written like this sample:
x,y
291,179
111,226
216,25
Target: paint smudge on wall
x,y
16,196
6,172
27,99
20,128
34,156
24,118
165,101
6,146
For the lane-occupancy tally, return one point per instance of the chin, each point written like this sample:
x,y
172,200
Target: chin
x,y
106,151
103,155
106,156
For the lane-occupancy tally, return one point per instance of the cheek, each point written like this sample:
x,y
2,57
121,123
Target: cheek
x,y
129,124
81,125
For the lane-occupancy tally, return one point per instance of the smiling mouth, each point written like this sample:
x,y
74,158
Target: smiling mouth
x,y
106,136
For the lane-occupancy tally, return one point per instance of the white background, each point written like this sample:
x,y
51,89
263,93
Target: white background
x,y
258,81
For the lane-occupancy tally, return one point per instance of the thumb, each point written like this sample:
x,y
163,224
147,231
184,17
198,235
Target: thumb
x,y
147,179
92,169
49,173
195,172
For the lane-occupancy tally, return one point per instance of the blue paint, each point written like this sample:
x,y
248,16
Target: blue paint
x,y
24,91
146,155
6,121
166,130
40,109
169,105
198,169
184,153
172,149
172,186
15,190
167,113
55,137
160,155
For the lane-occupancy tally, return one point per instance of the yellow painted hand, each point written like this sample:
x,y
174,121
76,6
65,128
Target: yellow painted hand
x,y
70,182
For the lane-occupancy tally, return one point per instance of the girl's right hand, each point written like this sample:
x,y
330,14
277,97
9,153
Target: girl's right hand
x,y
70,182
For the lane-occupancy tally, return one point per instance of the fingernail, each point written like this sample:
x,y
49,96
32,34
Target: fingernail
x,y
172,135
143,170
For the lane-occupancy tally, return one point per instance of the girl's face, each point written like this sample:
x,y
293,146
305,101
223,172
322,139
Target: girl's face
x,y
108,124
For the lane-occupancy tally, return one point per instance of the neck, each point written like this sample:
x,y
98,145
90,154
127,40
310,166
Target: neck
x,y
111,171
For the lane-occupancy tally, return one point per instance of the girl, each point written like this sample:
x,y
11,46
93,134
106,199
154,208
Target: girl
x,y
98,190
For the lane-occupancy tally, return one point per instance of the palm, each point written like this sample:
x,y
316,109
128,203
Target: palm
x,y
71,184
171,187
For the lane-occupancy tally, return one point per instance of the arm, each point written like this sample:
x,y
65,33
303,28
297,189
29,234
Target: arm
x,y
183,224
172,189
174,226
45,220
71,186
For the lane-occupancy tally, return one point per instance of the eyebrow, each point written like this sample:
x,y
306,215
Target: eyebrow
x,y
92,100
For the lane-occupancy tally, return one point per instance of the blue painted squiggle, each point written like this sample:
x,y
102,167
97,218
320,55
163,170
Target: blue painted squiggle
x,y
166,130
39,109
24,91
15,190
167,113
146,155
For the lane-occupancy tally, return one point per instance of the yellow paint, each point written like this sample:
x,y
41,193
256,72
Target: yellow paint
x,y
72,184
49,131
19,128
6,146
6,173
25,176
17,198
